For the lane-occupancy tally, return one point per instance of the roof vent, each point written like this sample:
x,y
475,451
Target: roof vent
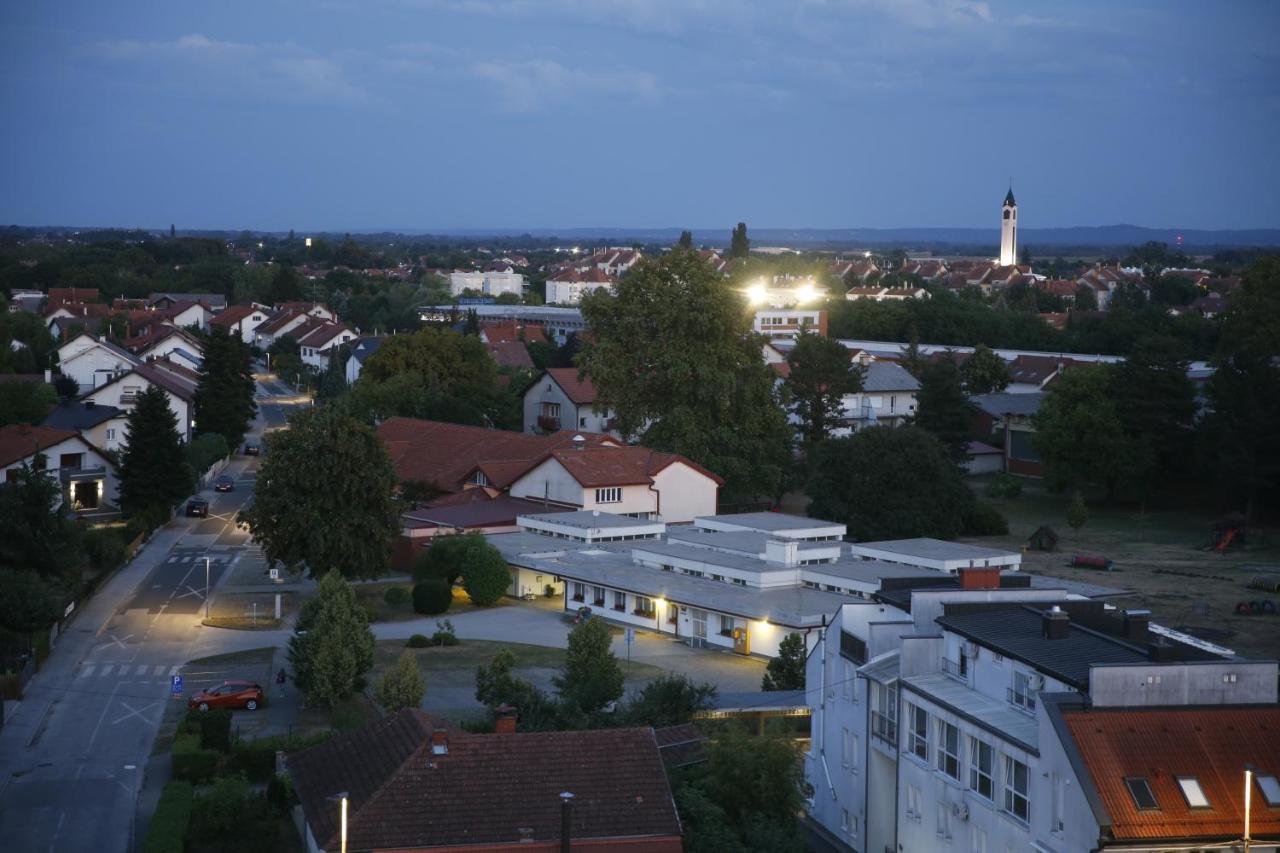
x,y
579,442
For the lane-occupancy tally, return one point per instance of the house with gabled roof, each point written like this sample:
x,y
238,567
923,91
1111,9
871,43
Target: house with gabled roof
x,y
93,362
561,399
213,301
101,426
87,479
241,320
178,383
61,317
318,339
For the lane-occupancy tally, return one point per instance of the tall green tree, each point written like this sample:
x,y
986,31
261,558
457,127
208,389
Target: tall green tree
x,y
25,402
154,474
786,671
332,647
403,685
674,357
1156,404
1079,434
984,372
592,676
685,241
498,685
323,497
224,395
286,285
739,244
670,700
1086,299
485,574
38,535
889,483
942,408
820,376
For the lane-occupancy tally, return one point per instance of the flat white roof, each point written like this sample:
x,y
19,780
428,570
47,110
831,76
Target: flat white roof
x,y
936,553
770,522
588,520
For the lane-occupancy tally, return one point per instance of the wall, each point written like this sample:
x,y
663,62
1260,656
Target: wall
x,y
172,343
684,493
113,396
546,390
108,435
93,368
1202,683
549,481
90,459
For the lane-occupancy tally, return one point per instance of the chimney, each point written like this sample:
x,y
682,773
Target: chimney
x,y
89,404
440,742
1057,624
566,815
506,721
979,577
1136,626
1160,651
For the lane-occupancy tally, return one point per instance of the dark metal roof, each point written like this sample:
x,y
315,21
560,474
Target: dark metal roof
x,y
78,415
1008,199
1005,403
1018,633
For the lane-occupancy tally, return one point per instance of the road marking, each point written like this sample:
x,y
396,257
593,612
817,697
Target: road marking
x,y
105,705
141,670
120,642
86,671
173,559
53,845
106,670
133,712
173,670
191,591
159,669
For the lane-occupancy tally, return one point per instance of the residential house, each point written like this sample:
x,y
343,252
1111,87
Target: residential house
x,y
1061,287
569,286
312,309
1007,419
175,344
100,426
558,322
506,342
215,302
73,294
887,398
361,349
87,479
318,339
286,320
607,788
561,400
25,300
93,362
241,321
63,318
789,323
612,262
1105,281
1210,305
1031,374
862,270
178,384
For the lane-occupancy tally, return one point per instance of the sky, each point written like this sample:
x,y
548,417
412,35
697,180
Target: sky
x,y
542,114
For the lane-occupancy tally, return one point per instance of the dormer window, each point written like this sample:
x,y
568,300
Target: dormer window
x,y
1270,786
479,479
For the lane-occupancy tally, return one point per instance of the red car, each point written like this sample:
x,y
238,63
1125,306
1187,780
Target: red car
x,y
229,694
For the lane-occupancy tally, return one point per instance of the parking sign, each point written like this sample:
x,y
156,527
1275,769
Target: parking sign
x,y
175,685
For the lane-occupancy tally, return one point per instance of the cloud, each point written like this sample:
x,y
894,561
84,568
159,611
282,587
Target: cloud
x,y
271,71
527,86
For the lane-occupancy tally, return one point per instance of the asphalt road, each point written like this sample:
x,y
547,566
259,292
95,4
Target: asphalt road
x,y
71,755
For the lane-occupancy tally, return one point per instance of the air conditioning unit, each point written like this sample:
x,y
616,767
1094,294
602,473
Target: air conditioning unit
x,y
960,810
1036,681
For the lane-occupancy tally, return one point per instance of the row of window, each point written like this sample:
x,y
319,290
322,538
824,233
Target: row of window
x,y
694,573
942,748
643,606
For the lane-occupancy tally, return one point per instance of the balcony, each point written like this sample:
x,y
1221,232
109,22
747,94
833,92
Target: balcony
x,y
621,608
884,728
1025,701
957,669
548,423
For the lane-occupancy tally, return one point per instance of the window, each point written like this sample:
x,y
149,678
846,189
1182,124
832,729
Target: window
x,y
884,712
673,613
996,657
611,495
1141,792
619,600
111,435
846,681
977,839
644,606
70,460
726,625
1270,789
982,769
579,592
597,596
913,802
479,479
848,748
1020,692
918,732
1191,789
582,422
1017,795
1229,678
949,749
844,820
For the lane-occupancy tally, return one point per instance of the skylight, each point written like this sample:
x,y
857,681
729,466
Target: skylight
x,y
1140,790
1191,789
1270,786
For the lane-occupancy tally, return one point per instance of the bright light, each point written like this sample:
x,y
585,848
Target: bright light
x,y
308,242
804,293
756,293
866,254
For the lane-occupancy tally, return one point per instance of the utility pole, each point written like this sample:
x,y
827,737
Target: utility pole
x,y
206,587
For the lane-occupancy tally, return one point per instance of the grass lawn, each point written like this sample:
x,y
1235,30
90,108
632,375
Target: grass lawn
x,y
238,611
371,597
1161,555
352,714
246,657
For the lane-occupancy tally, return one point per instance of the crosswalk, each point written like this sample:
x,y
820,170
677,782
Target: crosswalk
x,y
126,670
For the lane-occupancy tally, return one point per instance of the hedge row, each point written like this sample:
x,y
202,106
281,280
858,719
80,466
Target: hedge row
x,y
168,829
191,763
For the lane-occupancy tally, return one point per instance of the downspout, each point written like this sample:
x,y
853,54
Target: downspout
x,y
897,760
657,498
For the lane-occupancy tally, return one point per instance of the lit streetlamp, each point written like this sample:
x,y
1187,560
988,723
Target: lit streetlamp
x,y
206,587
342,797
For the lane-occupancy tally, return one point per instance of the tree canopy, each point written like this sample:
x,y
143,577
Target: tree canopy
x,y
323,497
25,402
332,646
739,243
674,358
786,671
1079,435
224,397
820,375
592,676
984,372
942,408
154,474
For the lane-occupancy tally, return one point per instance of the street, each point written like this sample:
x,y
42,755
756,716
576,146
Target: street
x,y
72,753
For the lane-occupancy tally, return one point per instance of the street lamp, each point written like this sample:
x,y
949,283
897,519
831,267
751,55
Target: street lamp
x,y
1248,801
206,588
342,832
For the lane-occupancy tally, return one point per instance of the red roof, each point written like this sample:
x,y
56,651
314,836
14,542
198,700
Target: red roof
x,y
620,466
233,314
580,391
19,441
73,294
77,309
1059,286
484,789
1210,744
509,354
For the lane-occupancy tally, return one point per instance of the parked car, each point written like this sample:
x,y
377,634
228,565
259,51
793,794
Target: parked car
x,y
198,508
229,694
252,450
224,483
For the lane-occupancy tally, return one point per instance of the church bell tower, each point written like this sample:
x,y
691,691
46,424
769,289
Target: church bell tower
x,y
1009,231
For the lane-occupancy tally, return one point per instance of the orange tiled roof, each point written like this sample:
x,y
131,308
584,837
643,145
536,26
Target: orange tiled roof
x,y
580,391
18,441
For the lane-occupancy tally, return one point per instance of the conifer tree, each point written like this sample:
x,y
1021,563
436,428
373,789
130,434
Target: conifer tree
x,y
224,397
154,474
739,245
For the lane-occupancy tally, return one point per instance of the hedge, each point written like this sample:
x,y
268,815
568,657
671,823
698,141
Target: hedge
x,y
431,596
256,759
214,727
169,824
190,762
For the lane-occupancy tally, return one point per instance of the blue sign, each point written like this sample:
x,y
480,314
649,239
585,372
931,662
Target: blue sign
x,y
175,685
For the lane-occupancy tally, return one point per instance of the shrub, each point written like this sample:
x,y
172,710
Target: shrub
x,y
169,823
214,727
418,641
220,811
280,792
190,762
105,548
256,759
982,519
205,450
444,635
485,574
402,686
397,596
1004,485
1077,513
432,595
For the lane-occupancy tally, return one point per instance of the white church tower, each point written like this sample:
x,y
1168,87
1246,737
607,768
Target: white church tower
x,y
1009,231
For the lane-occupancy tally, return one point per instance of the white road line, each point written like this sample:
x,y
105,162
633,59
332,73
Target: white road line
x,y
141,670
86,671
173,670
159,669
106,670
173,559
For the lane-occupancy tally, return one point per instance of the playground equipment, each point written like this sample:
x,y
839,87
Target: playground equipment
x,y
1081,561
1226,532
1266,583
1264,607
1044,539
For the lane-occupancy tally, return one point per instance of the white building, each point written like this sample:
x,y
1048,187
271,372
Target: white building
x,y
887,398
123,390
241,320
789,323
93,362
1009,231
86,479
560,400
569,286
493,283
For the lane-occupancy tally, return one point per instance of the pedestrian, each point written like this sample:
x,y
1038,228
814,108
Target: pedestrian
x,y
281,678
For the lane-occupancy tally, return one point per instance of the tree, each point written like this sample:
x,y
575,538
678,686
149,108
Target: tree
x,y
669,700
403,685
889,483
286,285
786,671
154,474
1079,435
592,676
673,356
1155,401
432,596
1086,299
819,379
485,575
224,396
739,245
942,408
1077,513
25,402
332,646
323,497
984,372
912,360
497,685
686,240
38,535
28,602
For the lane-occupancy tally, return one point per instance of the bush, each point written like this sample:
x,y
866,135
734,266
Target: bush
x,y
214,727
432,595
220,811
1004,486
104,547
205,450
256,759
982,519
280,792
190,762
397,596
485,575
444,635
418,641
169,824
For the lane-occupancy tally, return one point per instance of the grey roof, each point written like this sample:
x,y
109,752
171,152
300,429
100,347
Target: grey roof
x,y
107,345
867,572
588,520
1017,633
884,376
883,668
745,541
365,347
994,715
205,299
937,549
769,521
1004,403
77,415
187,354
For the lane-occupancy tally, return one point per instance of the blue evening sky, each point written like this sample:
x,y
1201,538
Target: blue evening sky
x,y
420,114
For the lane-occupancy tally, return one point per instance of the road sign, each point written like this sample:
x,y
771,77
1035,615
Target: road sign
x,y
175,685
630,635
275,574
